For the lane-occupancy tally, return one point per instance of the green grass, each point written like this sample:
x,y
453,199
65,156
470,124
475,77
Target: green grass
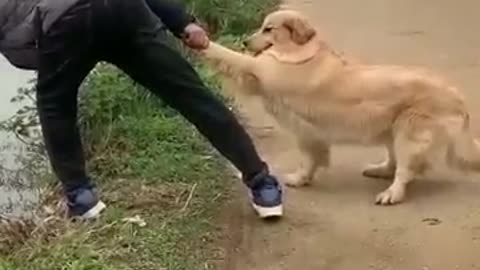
x,y
149,164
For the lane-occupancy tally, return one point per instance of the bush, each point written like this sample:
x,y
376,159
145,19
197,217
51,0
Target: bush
x,y
130,133
230,17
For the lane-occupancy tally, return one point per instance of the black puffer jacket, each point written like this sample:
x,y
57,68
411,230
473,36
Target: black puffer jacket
x,y
18,27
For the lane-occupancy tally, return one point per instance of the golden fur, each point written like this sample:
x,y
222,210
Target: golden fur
x,y
322,99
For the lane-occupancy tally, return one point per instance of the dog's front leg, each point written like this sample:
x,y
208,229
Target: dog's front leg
x,y
230,62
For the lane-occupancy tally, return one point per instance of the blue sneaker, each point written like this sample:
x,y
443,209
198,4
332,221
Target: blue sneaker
x,y
83,203
266,195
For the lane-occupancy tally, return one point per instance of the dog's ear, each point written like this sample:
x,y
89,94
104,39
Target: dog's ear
x,y
301,30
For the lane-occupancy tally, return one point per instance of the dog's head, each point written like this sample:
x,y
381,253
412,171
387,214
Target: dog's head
x,y
279,28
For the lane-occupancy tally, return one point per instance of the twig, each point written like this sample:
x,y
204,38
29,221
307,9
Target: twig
x,y
19,137
190,196
32,99
5,217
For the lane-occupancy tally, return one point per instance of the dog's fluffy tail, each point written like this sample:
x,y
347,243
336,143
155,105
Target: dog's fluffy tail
x,y
463,152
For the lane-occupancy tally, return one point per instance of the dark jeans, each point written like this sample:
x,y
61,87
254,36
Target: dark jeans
x,y
129,35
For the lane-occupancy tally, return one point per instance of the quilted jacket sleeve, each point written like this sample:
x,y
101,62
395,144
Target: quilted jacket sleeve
x,y
17,42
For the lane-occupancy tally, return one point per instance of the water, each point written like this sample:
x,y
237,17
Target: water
x,y
11,198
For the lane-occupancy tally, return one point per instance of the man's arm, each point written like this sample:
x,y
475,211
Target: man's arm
x,y
173,14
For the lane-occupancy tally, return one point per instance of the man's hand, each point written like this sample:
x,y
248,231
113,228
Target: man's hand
x,y
195,37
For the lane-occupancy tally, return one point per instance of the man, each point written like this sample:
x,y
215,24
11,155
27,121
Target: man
x,y
64,39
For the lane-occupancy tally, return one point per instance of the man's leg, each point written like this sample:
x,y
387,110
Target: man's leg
x,y
63,64
167,74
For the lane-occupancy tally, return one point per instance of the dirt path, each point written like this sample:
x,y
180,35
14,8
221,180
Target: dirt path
x,y
334,225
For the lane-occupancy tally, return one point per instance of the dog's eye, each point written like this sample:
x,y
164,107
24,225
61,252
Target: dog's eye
x,y
267,29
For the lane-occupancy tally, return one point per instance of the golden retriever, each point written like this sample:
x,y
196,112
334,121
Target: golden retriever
x,y
323,99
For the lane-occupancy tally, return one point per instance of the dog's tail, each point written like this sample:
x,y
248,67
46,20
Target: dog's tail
x,y
463,152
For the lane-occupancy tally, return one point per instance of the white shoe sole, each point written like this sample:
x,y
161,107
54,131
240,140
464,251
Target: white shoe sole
x,y
95,211
268,212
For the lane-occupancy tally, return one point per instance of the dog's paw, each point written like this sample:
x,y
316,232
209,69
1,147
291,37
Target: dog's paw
x,y
392,195
297,179
379,171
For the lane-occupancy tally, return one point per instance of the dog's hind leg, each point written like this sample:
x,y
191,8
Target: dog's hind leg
x,y
317,154
385,169
411,147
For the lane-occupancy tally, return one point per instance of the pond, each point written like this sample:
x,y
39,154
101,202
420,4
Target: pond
x,y
12,197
